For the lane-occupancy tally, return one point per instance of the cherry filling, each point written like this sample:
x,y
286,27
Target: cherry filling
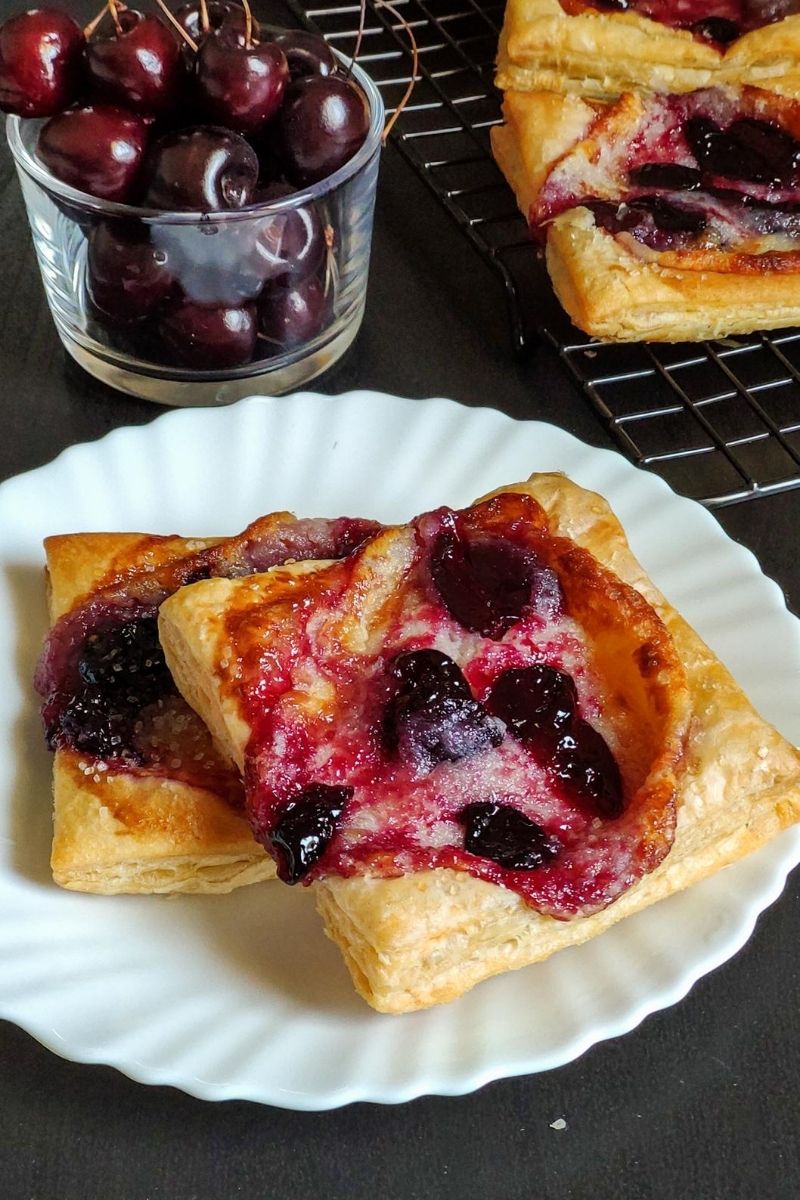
x,y
658,223
488,584
463,736
304,828
432,716
506,836
539,706
120,671
721,21
705,170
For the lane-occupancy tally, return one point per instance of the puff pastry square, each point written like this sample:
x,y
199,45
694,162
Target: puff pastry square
x,y
661,222
705,778
170,817
574,47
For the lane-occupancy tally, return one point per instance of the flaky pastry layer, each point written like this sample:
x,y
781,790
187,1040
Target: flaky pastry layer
x,y
603,54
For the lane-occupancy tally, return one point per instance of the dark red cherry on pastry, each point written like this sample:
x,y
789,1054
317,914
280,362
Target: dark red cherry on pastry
x,y
431,716
323,122
721,30
505,835
204,168
305,827
536,703
40,62
138,65
226,21
208,338
588,771
241,87
749,149
290,245
306,53
290,315
127,276
98,149
672,177
488,584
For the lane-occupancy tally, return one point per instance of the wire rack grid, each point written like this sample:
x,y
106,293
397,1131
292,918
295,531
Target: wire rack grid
x,y
719,421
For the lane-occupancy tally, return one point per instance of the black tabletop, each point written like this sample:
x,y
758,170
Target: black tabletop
x,y
700,1101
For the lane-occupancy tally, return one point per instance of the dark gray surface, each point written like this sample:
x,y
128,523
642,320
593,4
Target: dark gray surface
x,y
699,1102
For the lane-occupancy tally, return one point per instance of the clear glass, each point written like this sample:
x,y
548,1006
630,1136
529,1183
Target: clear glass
x,y
215,259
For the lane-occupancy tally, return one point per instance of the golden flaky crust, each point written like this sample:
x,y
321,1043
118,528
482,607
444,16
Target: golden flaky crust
x,y
427,937
611,292
602,54
126,832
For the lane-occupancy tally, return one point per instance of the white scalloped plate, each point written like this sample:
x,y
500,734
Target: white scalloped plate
x,y
241,995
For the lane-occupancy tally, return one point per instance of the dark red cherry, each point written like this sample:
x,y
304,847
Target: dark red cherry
x,y
306,53
40,62
323,122
209,339
431,715
716,29
506,836
224,20
98,149
488,584
537,703
140,66
304,828
201,169
127,277
241,87
671,176
290,245
588,770
290,316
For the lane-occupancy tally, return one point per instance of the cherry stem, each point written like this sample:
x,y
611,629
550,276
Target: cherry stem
x,y
190,42
115,7
205,22
362,17
248,23
390,8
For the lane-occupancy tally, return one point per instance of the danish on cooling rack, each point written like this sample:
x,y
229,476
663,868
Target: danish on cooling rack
x,y
605,47
484,736
143,800
665,218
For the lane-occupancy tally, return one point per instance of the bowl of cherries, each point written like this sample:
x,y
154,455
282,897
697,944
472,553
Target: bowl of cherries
x,y
200,193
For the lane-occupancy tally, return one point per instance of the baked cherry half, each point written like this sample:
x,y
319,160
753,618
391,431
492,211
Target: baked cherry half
x,y
489,583
304,828
40,62
506,836
432,716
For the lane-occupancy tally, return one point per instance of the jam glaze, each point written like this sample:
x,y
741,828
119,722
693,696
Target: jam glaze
x,y
315,697
718,21
107,694
710,170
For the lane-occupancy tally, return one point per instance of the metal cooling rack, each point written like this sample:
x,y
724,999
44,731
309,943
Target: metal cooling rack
x,y
720,422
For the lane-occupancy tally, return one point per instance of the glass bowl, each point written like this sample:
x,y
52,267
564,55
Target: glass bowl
x,y
317,238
